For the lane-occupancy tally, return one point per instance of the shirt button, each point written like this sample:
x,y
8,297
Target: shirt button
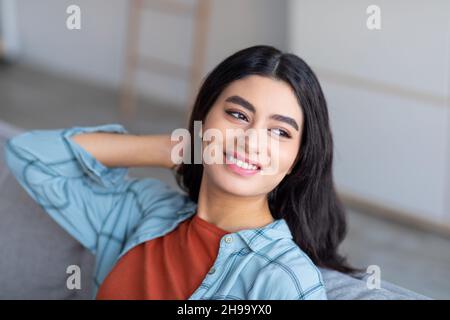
x,y
228,239
212,270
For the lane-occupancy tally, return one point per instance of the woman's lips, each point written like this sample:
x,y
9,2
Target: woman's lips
x,y
241,171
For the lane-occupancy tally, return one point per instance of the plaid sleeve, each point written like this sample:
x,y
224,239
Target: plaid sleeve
x,y
65,180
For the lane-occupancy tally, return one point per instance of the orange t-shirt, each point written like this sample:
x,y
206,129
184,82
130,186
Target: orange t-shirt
x,y
169,267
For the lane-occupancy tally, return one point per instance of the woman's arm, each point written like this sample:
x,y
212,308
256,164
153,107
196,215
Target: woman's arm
x,y
83,195
128,150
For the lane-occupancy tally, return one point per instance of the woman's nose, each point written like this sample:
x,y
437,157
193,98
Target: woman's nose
x,y
252,141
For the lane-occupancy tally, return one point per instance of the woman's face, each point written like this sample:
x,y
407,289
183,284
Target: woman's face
x,y
267,107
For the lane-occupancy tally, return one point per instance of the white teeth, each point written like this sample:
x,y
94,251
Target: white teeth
x,y
241,164
231,159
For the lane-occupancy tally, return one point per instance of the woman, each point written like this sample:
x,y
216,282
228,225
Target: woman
x,y
237,233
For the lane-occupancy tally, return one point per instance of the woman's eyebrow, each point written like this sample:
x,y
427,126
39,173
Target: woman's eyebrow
x,y
285,119
247,105
241,101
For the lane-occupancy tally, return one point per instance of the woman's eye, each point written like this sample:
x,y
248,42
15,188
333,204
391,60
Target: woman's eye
x,y
281,132
237,115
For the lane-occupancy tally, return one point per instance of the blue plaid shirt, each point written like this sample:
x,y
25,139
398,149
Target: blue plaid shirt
x,y
109,213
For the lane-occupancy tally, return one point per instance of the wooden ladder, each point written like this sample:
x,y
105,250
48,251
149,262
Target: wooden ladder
x,y
134,63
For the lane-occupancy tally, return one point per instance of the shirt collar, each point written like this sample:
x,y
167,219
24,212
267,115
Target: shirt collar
x,y
255,238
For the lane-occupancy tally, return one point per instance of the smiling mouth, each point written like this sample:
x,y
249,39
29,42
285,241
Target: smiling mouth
x,y
241,166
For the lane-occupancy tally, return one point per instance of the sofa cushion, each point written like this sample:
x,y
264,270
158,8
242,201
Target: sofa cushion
x,y
35,250
340,286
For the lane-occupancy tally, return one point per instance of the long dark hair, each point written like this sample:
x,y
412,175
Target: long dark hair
x,y
305,198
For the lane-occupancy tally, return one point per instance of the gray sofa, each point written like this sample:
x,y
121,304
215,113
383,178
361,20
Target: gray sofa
x,y
35,252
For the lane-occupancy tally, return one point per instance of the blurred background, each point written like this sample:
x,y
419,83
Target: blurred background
x,y
140,63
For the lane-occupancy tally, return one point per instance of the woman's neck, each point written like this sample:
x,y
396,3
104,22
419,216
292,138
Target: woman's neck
x,y
230,212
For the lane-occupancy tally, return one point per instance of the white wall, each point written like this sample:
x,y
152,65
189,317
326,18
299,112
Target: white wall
x,y
96,52
387,92
8,29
